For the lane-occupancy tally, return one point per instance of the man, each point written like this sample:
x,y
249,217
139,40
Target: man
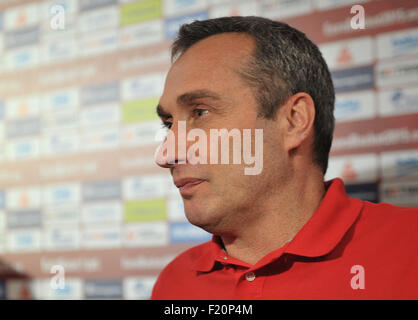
x,y
282,233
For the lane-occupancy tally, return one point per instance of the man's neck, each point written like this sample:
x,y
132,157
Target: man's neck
x,y
279,219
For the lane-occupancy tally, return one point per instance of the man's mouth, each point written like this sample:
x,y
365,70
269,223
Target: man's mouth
x,y
187,186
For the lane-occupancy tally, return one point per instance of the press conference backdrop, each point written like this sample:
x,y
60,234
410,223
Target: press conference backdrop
x,y
78,186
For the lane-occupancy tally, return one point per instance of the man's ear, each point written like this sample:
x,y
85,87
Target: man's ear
x,y
297,119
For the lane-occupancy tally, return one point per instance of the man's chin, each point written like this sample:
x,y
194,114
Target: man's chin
x,y
199,217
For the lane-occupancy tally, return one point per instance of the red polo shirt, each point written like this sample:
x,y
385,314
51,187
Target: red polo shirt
x,y
349,249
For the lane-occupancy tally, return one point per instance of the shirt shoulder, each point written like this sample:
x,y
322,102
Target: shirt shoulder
x,y
172,278
384,213
389,224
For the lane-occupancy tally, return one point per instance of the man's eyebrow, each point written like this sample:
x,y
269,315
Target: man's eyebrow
x,y
189,98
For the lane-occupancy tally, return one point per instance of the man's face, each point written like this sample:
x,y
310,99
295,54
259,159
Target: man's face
x,y
217,97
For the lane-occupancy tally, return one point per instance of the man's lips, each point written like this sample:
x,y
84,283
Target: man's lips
x,y
187,185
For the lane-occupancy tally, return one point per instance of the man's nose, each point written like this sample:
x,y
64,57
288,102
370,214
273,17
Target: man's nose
x,y
170,152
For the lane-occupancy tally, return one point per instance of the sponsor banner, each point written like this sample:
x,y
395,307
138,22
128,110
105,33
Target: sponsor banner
x,y
139,110
134,163
21,16
142,34
101,190
23,149
251,8
375,141
141,134
399,43
101,237
399,164
103,138
138,288
175,208
60,143
400,193
394,73
173,24
107,17
28,240
85,5
23,127
103,289
24,219
334,25
50,25
22,289
179,7
279,9
72,290
149,58
353,79
21,37
22,107
348,53
61,215
61,238
21,58
23,198
146,86
100,115
106,211
329,4
74,167
145,210
99,93
59,48
355,106
58,14
366,192
398,101
70,7
63,100
353,169
82,72
145,187
146,234
10,176
139,11
154,261
376,135
60,121
98,42
79,263
61,194
184,232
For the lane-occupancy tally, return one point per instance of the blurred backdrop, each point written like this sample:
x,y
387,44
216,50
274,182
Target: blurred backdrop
x,y
79,83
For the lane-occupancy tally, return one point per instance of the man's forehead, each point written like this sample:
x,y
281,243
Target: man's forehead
x,y
221,50
215,58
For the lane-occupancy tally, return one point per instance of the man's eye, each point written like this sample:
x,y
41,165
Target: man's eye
x,y
200,112
166,125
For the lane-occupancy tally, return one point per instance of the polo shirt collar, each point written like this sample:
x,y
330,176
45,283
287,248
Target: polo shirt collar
x,y
336,213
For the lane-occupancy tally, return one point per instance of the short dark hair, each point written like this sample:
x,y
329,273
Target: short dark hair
x,y
283,63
